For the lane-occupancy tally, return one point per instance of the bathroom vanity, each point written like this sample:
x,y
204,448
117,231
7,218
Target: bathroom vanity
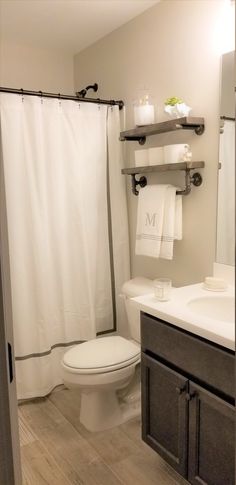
x,y
188,388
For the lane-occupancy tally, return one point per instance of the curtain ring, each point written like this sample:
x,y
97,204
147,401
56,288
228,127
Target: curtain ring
x,y
22,95
41,94
59,96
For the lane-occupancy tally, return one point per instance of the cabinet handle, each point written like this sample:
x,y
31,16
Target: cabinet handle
x,y
191,395
180,390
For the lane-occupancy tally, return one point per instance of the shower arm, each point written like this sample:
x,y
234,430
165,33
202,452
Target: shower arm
x,y
83,92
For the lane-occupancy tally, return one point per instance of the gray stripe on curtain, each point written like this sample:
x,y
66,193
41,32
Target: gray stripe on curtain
x,y
47,352
110,237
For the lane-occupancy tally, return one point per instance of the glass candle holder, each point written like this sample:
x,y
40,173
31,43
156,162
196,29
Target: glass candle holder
x,y
144,113
162,288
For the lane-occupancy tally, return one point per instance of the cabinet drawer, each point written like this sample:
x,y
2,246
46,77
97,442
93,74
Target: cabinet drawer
x,y
208,363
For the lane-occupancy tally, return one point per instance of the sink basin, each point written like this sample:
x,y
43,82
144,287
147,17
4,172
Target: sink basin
x,y
221,308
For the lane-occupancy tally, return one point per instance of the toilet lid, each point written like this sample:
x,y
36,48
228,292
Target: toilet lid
x,y
102,354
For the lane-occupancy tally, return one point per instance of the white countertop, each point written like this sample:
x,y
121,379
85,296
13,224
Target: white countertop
x,y
176,312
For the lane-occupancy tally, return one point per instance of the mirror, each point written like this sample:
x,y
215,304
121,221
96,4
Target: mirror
x,y
225,247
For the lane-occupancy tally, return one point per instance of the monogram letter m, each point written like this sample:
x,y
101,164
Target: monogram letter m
x,y
150,219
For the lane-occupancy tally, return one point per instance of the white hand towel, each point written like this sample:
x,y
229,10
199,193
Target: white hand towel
x,y
171,225
150,218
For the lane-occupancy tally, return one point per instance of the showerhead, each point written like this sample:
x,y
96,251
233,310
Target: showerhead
x,y
83,92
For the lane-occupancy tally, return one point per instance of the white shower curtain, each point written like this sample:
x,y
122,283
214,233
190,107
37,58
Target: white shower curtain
x,y
64,279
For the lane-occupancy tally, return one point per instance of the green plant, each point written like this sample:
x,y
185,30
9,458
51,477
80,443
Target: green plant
x,y
172,101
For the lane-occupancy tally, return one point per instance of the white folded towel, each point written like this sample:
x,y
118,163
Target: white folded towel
x,y
150,220
159,221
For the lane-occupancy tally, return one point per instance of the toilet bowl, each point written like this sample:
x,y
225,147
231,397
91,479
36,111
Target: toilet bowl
x,y
99,368
104,368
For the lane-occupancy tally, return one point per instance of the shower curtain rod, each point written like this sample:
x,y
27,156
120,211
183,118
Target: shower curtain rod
x,y
25,92
227,118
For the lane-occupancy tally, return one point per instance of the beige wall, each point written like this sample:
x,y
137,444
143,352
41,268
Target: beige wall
x,y
170,48
23,66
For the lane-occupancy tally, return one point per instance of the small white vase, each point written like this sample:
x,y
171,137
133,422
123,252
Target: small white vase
x,y
183,109
178,110
171,111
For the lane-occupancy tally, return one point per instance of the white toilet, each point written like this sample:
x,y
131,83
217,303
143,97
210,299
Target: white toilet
x,y
103,368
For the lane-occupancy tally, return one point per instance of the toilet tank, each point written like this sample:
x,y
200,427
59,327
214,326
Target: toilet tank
x,y
130,289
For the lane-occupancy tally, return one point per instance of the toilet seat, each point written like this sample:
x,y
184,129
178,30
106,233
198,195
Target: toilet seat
x,y
101,355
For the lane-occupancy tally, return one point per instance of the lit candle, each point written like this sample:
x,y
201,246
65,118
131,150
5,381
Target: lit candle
x,y
144,112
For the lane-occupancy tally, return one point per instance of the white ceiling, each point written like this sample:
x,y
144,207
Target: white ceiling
x,y
68,25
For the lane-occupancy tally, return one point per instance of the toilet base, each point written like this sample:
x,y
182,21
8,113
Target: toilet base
x,y
101,410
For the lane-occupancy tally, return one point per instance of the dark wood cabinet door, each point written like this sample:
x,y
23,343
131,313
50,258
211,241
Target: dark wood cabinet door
x,y
211,439
165,412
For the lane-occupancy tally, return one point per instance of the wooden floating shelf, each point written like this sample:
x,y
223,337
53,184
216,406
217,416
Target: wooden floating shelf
x,y
166,167
186,123
195,179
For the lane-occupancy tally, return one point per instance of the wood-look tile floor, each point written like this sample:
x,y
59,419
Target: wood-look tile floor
x,y
57,450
